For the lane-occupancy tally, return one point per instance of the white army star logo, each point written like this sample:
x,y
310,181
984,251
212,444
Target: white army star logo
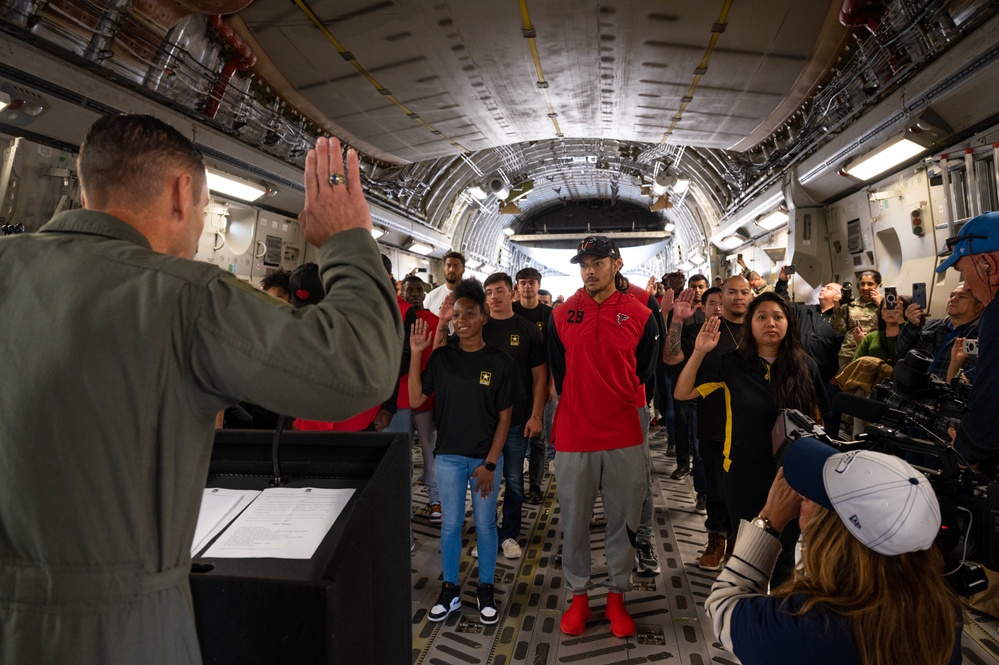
x,y
514,340
485,378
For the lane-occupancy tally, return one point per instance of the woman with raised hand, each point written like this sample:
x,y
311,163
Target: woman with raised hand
x,y
771,371
474,388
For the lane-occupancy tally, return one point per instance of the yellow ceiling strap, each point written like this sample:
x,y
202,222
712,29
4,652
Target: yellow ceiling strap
x,y
385,92
716,30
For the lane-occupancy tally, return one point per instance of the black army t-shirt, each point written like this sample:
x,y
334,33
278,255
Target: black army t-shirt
x,y
539,316
470,389
519,339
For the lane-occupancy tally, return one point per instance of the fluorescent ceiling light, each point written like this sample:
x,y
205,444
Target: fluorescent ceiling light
x,y
883,158
669,227
4,100
487,268
234,186
472,264
686,266
377,232
729,243
477,192
698,260
774,220
419,247
681,186
508,231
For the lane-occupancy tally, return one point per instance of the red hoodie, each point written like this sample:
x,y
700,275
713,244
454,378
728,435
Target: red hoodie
x,y
600,356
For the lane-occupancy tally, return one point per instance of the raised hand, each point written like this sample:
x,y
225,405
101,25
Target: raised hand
x,y
683,306
651,285
419,336
709,336
667,304
329,208
447,309
858,334
783,503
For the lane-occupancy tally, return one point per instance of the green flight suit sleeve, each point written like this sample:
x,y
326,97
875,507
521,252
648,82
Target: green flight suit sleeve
x,y
329,361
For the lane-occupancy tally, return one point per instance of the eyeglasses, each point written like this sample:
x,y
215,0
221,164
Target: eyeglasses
x,y
952,241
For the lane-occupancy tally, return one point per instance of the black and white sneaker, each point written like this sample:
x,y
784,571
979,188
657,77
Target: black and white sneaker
x,y
646,562
488,614
447,602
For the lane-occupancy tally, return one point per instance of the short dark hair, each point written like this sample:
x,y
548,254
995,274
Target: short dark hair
x,y
455,255
127,157
529,273
387,262
542,292
276,280
710,292
470,288
412,278
498,277
697,278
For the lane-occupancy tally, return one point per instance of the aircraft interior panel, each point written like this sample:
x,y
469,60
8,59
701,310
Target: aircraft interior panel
x,y
695,135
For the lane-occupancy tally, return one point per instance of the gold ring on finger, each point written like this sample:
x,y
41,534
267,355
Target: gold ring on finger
x,y
337,179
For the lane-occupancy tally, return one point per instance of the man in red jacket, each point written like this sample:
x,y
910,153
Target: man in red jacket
x,y
602,347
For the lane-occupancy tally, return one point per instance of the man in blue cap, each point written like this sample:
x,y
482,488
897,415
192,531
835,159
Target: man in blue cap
x,y
975,253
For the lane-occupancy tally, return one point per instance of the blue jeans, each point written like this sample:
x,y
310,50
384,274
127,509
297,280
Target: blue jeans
x,y
514,452
454,473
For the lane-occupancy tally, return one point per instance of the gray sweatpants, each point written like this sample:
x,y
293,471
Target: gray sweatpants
x,y
621,477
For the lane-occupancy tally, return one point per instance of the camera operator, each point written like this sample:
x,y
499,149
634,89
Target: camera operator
x,y
975,253
869,569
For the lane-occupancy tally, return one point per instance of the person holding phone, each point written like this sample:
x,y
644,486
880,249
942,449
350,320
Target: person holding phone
x,y
937,337
882,343
858,317
770,371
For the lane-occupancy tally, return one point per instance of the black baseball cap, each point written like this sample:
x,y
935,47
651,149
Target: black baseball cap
x,y
596,246
305,286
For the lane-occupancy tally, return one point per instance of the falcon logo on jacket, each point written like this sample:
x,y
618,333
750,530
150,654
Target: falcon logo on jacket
x,y
621,318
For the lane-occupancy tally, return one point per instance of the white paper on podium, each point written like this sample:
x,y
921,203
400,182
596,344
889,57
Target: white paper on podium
x,y
283,523
219,507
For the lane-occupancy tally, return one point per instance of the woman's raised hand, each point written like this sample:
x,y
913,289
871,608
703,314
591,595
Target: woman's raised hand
x,y
419,336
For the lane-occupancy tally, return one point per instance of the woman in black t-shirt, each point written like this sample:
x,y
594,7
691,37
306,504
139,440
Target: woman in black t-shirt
x,y
770,372
474,388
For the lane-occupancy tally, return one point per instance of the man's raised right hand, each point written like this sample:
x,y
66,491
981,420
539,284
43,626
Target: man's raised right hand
x,y
330,209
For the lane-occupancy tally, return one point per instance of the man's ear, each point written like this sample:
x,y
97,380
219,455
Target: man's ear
x,y
180,186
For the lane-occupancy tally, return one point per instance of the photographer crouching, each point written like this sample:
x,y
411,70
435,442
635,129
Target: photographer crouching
x,y
975,253
869,589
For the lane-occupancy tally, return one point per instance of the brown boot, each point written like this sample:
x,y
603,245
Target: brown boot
x,y
714,553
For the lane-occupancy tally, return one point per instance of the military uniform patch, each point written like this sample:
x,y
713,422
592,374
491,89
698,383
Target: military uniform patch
x,y
514,340
485,378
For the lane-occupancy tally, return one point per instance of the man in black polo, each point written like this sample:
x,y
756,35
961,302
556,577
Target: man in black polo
x,y
712,416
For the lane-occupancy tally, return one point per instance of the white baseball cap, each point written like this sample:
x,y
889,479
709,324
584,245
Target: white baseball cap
x,y
885,503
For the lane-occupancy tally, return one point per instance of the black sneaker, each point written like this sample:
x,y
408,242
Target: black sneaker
x,y
679,472
646,563
670,450
534,496
701,506
488,614
447,602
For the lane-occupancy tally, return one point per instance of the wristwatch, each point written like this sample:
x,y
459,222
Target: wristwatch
x,y
489,466
762,522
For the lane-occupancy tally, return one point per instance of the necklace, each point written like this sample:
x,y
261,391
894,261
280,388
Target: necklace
x,y
737,342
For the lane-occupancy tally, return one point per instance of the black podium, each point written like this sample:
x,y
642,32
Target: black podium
x,y
349,603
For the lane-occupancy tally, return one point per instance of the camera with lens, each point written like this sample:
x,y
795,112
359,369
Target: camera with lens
x,y
910,416
847,296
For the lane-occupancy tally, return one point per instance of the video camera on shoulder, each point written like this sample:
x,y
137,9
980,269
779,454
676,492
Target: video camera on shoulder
x,y
910,416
